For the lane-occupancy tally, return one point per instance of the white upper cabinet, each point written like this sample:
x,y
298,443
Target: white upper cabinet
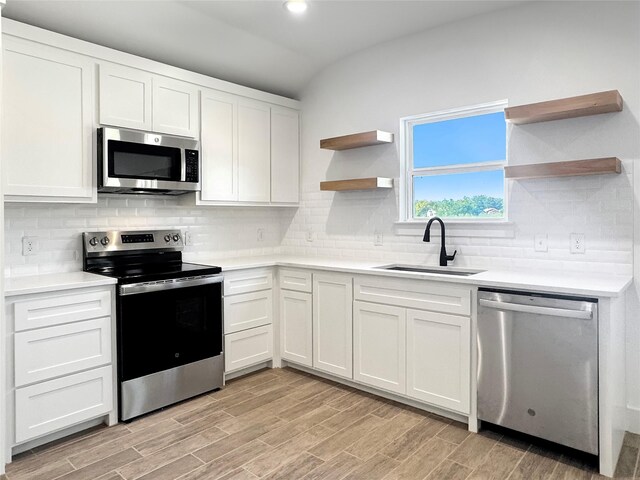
x,y
254,151
250,151
219,146
47,123
285,155
125,97
175,107
137,99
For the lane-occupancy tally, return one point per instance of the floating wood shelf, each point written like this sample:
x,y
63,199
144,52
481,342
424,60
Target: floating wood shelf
x,y
583,105
356,140
596,166
372,183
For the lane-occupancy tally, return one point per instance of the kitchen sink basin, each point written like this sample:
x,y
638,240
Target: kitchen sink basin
x,y
436,270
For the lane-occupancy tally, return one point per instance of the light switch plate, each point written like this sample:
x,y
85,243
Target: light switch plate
x,y
377,239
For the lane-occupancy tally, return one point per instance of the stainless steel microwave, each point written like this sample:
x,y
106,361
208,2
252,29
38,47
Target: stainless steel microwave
x,y
131,161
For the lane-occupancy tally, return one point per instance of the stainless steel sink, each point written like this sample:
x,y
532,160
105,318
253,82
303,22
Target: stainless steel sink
x,y
435,270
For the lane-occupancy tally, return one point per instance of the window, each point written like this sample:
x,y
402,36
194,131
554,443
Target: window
x,y
453,164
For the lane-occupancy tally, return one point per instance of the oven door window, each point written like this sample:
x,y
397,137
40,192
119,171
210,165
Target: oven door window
x,y
142,161
165,329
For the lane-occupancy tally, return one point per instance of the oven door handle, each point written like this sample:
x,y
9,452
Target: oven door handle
x,y
148,287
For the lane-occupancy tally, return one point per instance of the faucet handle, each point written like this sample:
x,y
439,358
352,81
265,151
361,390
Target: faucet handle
x,y
451,257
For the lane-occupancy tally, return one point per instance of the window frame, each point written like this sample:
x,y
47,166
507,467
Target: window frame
x,y
407,172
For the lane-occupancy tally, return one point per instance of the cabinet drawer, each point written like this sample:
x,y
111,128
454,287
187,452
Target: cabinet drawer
x,y
249,347
423,295
50,352
295,280
46,312
246,281
49,406
248,310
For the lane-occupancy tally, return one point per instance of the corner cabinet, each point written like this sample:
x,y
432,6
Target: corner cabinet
x,y
132,98
296,324
250,151
48,95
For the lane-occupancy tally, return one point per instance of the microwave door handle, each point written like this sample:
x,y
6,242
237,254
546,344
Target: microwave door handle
x,y
556,312
148,287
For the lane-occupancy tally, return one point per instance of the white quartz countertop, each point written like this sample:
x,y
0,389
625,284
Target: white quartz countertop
x,y
590,284
52,282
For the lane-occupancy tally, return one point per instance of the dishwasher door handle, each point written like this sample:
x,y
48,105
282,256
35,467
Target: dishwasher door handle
x,y
556,312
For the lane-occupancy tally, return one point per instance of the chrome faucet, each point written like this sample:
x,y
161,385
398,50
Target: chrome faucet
x,y
444,258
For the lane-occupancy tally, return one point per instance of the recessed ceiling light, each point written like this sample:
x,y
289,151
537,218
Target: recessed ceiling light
x,y
296,6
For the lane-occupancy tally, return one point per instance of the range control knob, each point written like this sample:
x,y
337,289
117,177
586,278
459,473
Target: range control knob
x,y
104,241
167,238
93,242
176,237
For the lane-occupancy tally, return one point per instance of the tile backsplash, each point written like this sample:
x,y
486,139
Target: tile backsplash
x,y
600,207
343,225
215,231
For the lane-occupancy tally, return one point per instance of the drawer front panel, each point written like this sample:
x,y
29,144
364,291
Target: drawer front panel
x,y
46,312
249,347
248,310
246,281
295,280
423,295
50,352
46,407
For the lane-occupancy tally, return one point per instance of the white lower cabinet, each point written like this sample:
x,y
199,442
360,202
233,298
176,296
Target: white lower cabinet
x,y
296,327
379,346
248,318
438,359
248,347
333,323
62,345
49,406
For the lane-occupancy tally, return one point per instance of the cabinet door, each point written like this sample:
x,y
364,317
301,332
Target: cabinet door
x,y
219,146
296,327
333,324
438,359
125,97
254,151
285,155
379,346
175,107
47,126
249,347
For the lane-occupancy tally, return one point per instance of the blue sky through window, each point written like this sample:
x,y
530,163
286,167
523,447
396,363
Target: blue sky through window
x,y
459,185
480,138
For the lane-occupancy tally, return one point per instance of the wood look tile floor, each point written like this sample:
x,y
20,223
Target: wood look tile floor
x,y
285,424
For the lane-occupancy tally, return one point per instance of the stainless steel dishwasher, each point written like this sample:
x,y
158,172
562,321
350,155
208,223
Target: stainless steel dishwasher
x,y
538,365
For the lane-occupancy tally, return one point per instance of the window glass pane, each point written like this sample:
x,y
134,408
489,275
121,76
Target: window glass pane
x,y
460,195
480,138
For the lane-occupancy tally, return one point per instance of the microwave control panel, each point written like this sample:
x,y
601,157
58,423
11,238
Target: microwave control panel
x,y
192,170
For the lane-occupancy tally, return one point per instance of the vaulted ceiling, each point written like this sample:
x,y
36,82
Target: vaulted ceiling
x,y
254,43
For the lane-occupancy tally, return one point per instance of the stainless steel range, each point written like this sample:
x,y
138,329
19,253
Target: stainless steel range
x,y
169,317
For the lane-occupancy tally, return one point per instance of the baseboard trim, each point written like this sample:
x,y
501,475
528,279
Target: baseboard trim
x,y
633,419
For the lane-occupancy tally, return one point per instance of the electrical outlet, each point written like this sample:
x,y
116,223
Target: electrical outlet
x,y
377,239
260,235
309,236
540,242
577,244
188,238
29,246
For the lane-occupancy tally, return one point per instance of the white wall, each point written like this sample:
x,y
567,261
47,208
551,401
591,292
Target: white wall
x,y
533,52
216,232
